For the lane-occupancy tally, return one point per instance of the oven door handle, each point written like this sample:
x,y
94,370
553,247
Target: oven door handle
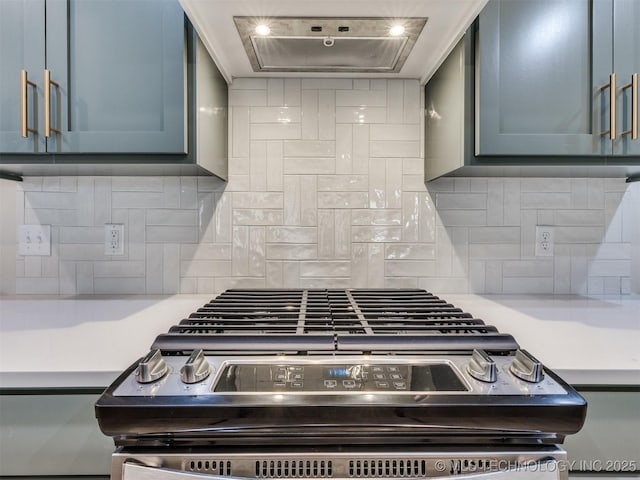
x,y
136,471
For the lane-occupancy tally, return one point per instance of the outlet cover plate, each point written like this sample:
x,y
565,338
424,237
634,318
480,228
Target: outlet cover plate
x,y
114,239
545,239
34,240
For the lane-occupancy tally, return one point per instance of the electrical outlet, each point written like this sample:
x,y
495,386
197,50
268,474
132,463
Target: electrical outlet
x,y
545,237
113,239
34,240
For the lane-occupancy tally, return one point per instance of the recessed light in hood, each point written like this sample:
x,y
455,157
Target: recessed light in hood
x,y
329,44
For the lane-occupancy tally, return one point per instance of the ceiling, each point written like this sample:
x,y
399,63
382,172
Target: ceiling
x,y
447,22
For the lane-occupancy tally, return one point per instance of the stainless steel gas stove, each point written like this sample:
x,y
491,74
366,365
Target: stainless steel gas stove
x,y
337,384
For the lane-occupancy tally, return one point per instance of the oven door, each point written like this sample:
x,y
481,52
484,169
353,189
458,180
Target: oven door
x,y
546,470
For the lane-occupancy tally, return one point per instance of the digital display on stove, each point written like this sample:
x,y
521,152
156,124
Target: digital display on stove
x,y
297,378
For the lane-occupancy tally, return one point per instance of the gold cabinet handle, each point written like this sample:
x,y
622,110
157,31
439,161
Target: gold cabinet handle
x,y
633,85
612,107
24,104
47,103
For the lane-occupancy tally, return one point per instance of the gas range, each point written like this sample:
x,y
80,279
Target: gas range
x,y
327,370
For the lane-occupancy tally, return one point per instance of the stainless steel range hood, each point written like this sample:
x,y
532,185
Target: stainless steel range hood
x,y
288,44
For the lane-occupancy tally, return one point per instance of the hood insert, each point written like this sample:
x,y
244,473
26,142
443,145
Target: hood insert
x,y
328,44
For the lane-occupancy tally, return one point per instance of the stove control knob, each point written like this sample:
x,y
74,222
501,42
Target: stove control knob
x,y
196,369
151,368
482,367
526,367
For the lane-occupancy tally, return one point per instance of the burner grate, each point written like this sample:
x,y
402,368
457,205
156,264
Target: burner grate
x,y
332,319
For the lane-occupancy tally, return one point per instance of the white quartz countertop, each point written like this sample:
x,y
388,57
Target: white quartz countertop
x,y
84,342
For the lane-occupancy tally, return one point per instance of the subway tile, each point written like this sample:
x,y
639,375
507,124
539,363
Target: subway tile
x,y
275,131
291,274
528,285
466,201
282,234
412,102
410,217
326,115
292,92
378,84
82,234
325,268
50,200
37,286
309,114
135,232
361,84
344,149
375,234
239,183
495,201
137,184
494,235
31,184
579,193
477,276
562,271
274,275
395,101
444,253
257,216
275,166
579,234
81,252
401,282
361,115
247,98
393,132
394,149
85,282
240,131
309,148
413,166
171,268
361,98
171,234
595,193
277,251
257,251
137,199
343,183
426,218
239,166
579,217
615,185
205,285
342,200
205,251
493,278
375,265
413,268
154,269
393,183
119,269
463,217
309,166
376,217
32,267
511,197
528,222
45,216
595,286
308,200
359,261
410,251
258,165
67,284
327,83
248,84
223,217
257,200
320,282
612,286
101,200
614,251
343,233
377,182
579,269
528,268
115,285
188,193
188,285
444,285
494,251
240,252
275,91
326,233
280,114
291,200
211,184
224,283
171,194
413,183
360,161
609,268
164,216
545,185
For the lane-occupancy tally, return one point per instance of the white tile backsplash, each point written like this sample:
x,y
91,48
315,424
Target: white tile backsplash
x,y
326,190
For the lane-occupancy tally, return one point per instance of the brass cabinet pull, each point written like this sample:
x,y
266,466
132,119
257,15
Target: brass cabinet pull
x,y
47,103
612,107
24,104
633,85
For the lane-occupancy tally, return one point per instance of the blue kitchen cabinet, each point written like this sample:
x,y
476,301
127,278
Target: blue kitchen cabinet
x,y
114,79
544,69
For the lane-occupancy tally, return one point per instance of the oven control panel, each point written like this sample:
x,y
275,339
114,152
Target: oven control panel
x,y
340,375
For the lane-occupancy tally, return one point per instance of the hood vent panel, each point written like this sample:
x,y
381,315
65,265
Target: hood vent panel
x,y
328,44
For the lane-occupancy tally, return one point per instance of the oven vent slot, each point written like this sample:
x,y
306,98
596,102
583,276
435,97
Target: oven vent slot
x,y
218,467
294,468
387,468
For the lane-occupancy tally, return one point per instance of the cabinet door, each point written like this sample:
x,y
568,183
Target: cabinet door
x,y
21,48
536,79
120,65
626,57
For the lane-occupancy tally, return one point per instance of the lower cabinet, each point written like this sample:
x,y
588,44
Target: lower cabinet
x,y
52,435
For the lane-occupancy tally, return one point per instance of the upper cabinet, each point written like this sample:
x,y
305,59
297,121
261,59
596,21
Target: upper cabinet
x,y
558,77
97,76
